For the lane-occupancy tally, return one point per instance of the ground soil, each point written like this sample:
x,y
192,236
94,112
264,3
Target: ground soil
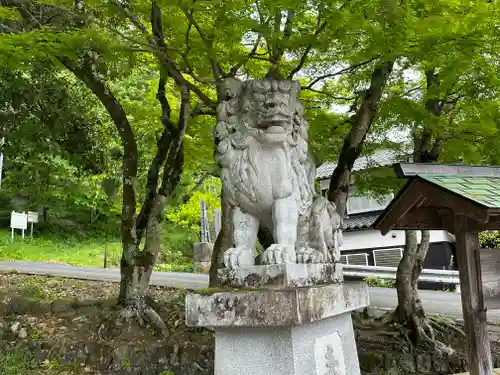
x,y
62,326
72,327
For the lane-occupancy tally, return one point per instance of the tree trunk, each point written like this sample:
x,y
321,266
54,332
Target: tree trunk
x,y
195,188
136,271
353,143
223,241
410,311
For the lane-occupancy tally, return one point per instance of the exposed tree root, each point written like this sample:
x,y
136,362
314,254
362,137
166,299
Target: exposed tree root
x,y
141,312
444,325
424,332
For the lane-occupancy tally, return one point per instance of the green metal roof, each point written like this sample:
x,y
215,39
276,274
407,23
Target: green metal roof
x,y
482,190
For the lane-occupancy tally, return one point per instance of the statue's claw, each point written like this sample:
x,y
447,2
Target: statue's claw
x,y
308,255
279,254
238,257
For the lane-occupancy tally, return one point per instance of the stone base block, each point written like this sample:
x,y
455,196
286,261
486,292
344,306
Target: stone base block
x,y
327,347
278,276
299,331
268,307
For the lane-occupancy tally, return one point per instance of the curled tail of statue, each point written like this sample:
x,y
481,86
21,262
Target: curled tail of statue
x,y
326,233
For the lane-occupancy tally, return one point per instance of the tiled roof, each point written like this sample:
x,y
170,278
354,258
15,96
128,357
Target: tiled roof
x,y
379,158
482,190
360,221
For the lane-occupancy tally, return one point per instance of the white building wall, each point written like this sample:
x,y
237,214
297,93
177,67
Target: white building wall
x,y
372,239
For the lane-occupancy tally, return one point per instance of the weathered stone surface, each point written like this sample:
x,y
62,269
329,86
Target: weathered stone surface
x,y
286,307
323,347
268,175
202,255
286,275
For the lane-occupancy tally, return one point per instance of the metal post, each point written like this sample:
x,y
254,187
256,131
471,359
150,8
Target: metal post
x,y
218,221
204,235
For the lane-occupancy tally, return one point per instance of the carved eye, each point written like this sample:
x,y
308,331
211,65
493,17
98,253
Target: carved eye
x,y
259,98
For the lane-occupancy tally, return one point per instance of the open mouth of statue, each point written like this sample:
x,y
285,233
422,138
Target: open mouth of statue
x,y
273,124
274,127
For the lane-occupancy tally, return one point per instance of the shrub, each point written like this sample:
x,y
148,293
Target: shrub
x,y
377,281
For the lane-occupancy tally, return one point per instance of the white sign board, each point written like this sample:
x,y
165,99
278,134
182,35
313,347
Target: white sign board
x,y
32,217
19,220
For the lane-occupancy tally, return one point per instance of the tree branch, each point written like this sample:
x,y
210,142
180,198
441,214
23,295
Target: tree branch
x,y
199,111
164,143
308,49
234,69
173,166
131,156
328,94
165,105
278,52
189,68
216,69
168,64
342,71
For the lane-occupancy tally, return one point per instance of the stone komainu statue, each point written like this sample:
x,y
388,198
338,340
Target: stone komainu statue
x,y
267,174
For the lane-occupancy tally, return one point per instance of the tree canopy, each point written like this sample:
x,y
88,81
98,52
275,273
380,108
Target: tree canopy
x,y
103,101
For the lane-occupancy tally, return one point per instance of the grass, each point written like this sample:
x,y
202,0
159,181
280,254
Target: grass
x,y
89,251
85,253
16,362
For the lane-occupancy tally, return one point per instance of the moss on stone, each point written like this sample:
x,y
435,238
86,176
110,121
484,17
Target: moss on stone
x,y
214,290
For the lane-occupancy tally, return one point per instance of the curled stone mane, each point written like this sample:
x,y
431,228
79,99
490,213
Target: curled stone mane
x,y
268,177
236,129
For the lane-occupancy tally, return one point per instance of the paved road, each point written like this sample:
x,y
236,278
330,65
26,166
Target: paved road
x,y
435,302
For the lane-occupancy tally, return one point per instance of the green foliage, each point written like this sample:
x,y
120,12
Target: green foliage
x,y
378,282
61,148
19,362
490,239
88,251
188,214
73,251
176,249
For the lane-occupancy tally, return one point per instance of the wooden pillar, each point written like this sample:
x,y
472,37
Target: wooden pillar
x,y
476,329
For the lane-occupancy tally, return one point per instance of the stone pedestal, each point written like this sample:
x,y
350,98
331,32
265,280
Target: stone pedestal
x,y
280,276
290,331
202,255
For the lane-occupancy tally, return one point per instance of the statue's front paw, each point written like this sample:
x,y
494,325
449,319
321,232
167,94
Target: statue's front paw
x,y
279,254
308,255
238,257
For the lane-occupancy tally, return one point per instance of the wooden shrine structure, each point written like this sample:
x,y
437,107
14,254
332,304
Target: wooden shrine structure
x,y
463,200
